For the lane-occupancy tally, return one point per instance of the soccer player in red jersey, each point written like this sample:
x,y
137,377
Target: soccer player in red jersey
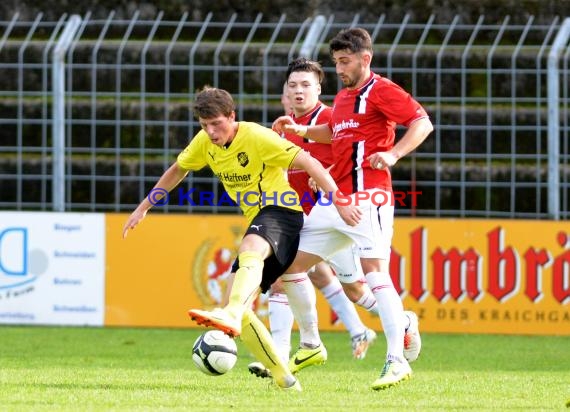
x,y
300,99
362,133
303,88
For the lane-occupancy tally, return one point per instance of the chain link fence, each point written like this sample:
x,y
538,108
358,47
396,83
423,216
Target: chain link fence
x,y
92,111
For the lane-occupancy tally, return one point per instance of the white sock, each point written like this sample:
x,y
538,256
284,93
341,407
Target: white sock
x,y
343,307
302,301
391,312
368,301
280,323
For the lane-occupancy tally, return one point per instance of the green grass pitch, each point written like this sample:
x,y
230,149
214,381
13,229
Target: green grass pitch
x,y
122,369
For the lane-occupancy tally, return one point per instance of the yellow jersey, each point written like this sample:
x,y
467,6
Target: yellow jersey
x,y
251,168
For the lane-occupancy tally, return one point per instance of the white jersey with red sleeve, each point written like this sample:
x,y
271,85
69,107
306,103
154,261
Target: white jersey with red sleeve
x,y
299,179
364,122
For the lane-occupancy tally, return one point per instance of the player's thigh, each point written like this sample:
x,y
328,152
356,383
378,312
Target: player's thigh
x,y
320,235
374,233
346,265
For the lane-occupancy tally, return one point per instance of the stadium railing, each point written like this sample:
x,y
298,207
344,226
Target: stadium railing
x,y
89,124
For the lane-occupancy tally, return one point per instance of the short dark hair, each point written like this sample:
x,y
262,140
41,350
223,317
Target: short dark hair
x,y
302,64
211,102
354,39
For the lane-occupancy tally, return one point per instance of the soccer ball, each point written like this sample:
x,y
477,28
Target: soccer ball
x,y
214,353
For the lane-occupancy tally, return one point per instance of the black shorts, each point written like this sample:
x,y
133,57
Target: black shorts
x,y
280,226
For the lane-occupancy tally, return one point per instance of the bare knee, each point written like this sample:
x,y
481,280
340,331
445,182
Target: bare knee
x,y
322,275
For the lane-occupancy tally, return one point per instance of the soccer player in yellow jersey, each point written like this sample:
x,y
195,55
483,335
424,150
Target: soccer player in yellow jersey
x,y
249,160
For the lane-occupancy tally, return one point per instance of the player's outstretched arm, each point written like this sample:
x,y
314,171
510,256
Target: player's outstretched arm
x,y
319,133
168,181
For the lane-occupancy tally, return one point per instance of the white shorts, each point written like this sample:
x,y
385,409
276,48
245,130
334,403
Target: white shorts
x,y
324,232
346,265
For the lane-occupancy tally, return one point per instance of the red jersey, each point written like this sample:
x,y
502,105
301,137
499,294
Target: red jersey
x,y
364,122
299,179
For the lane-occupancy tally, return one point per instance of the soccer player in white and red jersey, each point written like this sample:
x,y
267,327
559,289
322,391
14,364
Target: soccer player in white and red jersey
x,y
362,133
301,100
